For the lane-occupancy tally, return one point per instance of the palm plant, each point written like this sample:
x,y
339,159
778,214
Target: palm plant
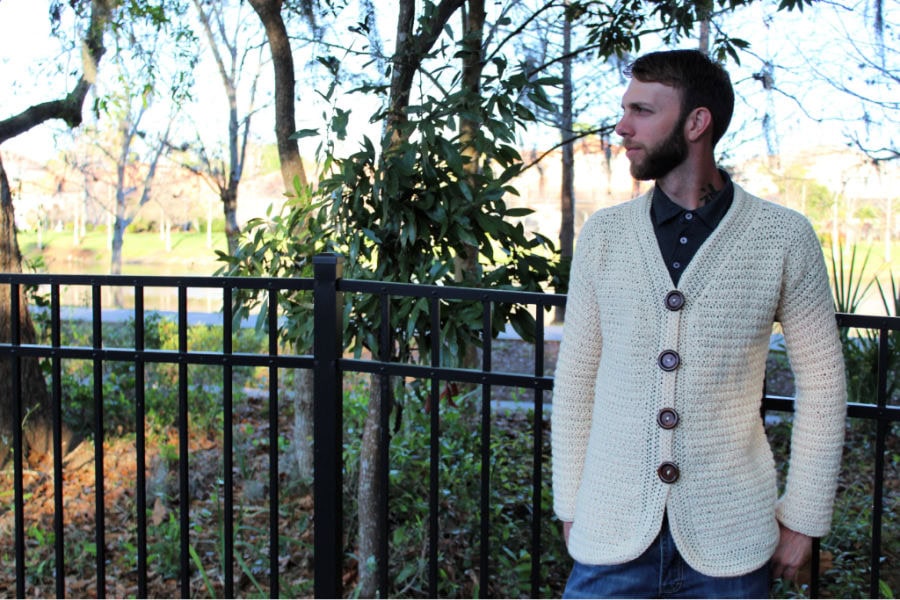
x,y
861,346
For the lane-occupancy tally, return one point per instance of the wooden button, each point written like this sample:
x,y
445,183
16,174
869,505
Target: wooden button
x,y
674,300
667,418
668,472
668,360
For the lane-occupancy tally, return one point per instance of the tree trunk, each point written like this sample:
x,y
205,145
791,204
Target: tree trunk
x,y
567,195
228,190
704,12
36,408
368,530
467,267
269,12
303,423
409,52
115,261
115,266
232,229
367,495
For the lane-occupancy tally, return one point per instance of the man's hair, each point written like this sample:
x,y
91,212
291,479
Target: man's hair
x,y
701,81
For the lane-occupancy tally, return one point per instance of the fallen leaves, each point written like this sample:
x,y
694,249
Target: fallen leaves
x,y
79,489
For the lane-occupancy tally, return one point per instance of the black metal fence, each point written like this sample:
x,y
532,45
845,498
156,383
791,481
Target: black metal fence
x,y
330,367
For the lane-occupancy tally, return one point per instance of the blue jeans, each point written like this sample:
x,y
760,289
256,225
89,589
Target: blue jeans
x,y
661,572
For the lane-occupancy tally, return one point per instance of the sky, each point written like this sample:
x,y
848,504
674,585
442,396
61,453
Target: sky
x,y
24,38
788,40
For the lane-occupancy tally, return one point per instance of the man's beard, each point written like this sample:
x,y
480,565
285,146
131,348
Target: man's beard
x,y
664,157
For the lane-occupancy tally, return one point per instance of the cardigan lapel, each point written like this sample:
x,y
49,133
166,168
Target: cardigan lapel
x,y
642,224
720,248
711,257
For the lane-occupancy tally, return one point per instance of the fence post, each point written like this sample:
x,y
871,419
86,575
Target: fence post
x,y
328,460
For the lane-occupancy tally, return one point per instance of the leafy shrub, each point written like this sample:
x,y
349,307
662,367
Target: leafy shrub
x,y
459,544
119,379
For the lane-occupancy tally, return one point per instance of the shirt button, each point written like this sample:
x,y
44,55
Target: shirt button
x,y
668,472
682,240
667,418
674,300
688,216
676,265
668,360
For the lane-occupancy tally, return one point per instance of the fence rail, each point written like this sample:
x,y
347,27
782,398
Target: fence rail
x,y
330,366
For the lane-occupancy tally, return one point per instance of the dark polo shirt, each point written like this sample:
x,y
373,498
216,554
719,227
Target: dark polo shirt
x,y
680,232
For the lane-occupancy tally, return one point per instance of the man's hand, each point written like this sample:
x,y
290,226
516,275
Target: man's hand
x,y
567,526
793,552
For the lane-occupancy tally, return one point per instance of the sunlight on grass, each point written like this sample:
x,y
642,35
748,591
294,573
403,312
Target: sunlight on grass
x,y
142,253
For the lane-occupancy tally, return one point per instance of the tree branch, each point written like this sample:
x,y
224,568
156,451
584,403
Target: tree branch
x,y
606,129
68,108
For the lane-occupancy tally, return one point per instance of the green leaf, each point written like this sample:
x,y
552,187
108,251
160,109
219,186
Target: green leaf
x,y
519,212
339,123
304,133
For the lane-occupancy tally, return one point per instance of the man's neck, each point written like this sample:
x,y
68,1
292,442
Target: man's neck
x,y
692,188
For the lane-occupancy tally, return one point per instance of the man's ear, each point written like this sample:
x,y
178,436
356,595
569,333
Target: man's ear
x,y
698,123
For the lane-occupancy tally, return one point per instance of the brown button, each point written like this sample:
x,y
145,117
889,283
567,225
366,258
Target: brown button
x,y
668,472
668,360
667,418
674,300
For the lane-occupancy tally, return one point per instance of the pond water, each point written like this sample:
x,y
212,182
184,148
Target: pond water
x,y
156,298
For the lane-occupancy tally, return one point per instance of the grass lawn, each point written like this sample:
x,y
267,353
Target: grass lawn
x,y
189,254
142,253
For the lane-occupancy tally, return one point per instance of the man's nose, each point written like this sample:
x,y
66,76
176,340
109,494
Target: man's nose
x,y
621,127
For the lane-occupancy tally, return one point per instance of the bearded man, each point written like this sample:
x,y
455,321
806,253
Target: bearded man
x,y
662,473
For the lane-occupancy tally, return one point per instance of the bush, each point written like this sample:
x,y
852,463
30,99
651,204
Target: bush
x,y
459,501
119,379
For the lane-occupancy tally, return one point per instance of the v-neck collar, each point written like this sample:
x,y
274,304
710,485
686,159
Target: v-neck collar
x,y
709,258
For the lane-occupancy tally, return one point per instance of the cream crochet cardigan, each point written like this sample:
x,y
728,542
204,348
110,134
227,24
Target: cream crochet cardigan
x,y
762,263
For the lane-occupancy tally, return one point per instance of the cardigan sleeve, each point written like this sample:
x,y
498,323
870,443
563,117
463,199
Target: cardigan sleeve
x,y
576,373
807,316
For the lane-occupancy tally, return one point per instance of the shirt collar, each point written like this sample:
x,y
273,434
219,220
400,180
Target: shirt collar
x,y
663,209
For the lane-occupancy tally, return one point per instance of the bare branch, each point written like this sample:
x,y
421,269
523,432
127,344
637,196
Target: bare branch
x,y
603,130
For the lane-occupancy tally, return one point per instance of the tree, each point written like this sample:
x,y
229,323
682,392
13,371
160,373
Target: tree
x,y
567,131
431,197
38,428
867,75
424,195
270,13
69,107
230,50
132,177
143,104
95,19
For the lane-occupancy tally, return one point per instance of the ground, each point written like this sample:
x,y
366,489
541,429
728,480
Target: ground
x,y
251,448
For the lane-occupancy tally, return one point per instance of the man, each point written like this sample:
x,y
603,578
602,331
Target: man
x,y
663,477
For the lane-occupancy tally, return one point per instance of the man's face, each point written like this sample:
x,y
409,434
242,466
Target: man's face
x,y
652,129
